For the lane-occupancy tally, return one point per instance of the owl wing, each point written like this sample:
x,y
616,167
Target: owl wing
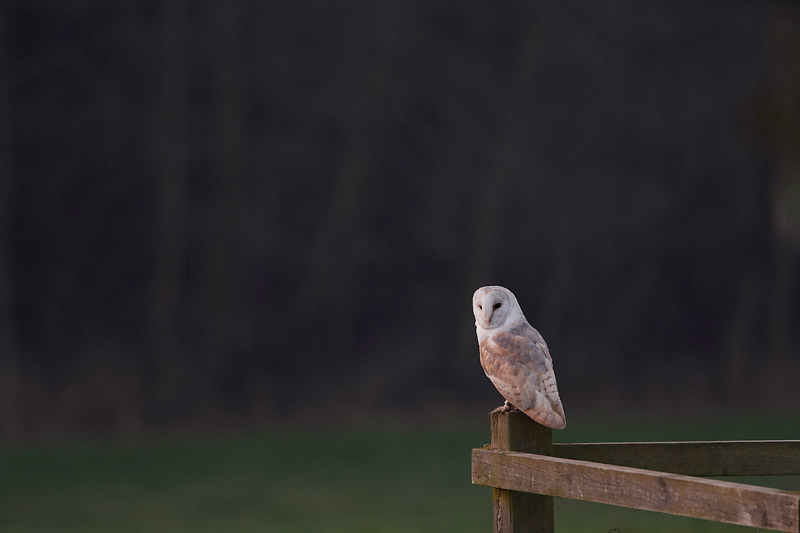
x,y
519,365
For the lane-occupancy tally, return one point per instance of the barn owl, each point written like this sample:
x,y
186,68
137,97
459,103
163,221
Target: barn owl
x,y
515,357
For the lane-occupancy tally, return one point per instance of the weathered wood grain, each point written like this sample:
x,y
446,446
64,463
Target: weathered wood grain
x,y
712,458
721,501
521,511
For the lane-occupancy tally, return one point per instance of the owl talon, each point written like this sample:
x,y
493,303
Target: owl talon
x,y
505,408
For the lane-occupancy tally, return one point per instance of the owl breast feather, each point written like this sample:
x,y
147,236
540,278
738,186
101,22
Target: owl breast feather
x,y
519,365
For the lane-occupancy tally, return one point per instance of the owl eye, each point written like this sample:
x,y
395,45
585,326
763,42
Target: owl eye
x,y
497,305
480,307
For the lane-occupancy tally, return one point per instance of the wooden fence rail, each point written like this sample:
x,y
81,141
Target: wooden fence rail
x,y
526,470
710,458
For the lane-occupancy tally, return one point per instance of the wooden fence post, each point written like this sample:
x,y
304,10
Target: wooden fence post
x,y
518,512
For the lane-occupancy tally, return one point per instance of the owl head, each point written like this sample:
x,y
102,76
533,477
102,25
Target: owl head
x,y
494,307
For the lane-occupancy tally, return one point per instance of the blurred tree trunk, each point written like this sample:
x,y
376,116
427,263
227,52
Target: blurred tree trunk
x,y
760,333
328,283
171,154
785,192
741,347
9,348
745,350
509,166
330,280
222,287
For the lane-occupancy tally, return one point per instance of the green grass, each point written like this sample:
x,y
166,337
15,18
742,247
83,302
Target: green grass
x,y
376,480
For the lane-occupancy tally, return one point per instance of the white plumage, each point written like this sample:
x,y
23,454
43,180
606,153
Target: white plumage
x,y
515,357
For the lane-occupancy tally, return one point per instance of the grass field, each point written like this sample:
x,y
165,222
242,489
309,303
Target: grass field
x,y
367,480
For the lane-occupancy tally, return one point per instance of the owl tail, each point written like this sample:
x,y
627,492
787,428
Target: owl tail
x,y
548,415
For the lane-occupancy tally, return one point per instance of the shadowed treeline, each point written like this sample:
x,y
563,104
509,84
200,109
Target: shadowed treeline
x,y
228,212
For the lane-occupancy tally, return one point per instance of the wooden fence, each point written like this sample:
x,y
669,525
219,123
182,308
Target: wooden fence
x,y
526,470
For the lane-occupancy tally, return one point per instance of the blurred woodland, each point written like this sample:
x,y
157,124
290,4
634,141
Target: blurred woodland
x,y
229,212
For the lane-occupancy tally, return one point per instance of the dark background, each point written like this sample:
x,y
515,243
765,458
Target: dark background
x,y
244,213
